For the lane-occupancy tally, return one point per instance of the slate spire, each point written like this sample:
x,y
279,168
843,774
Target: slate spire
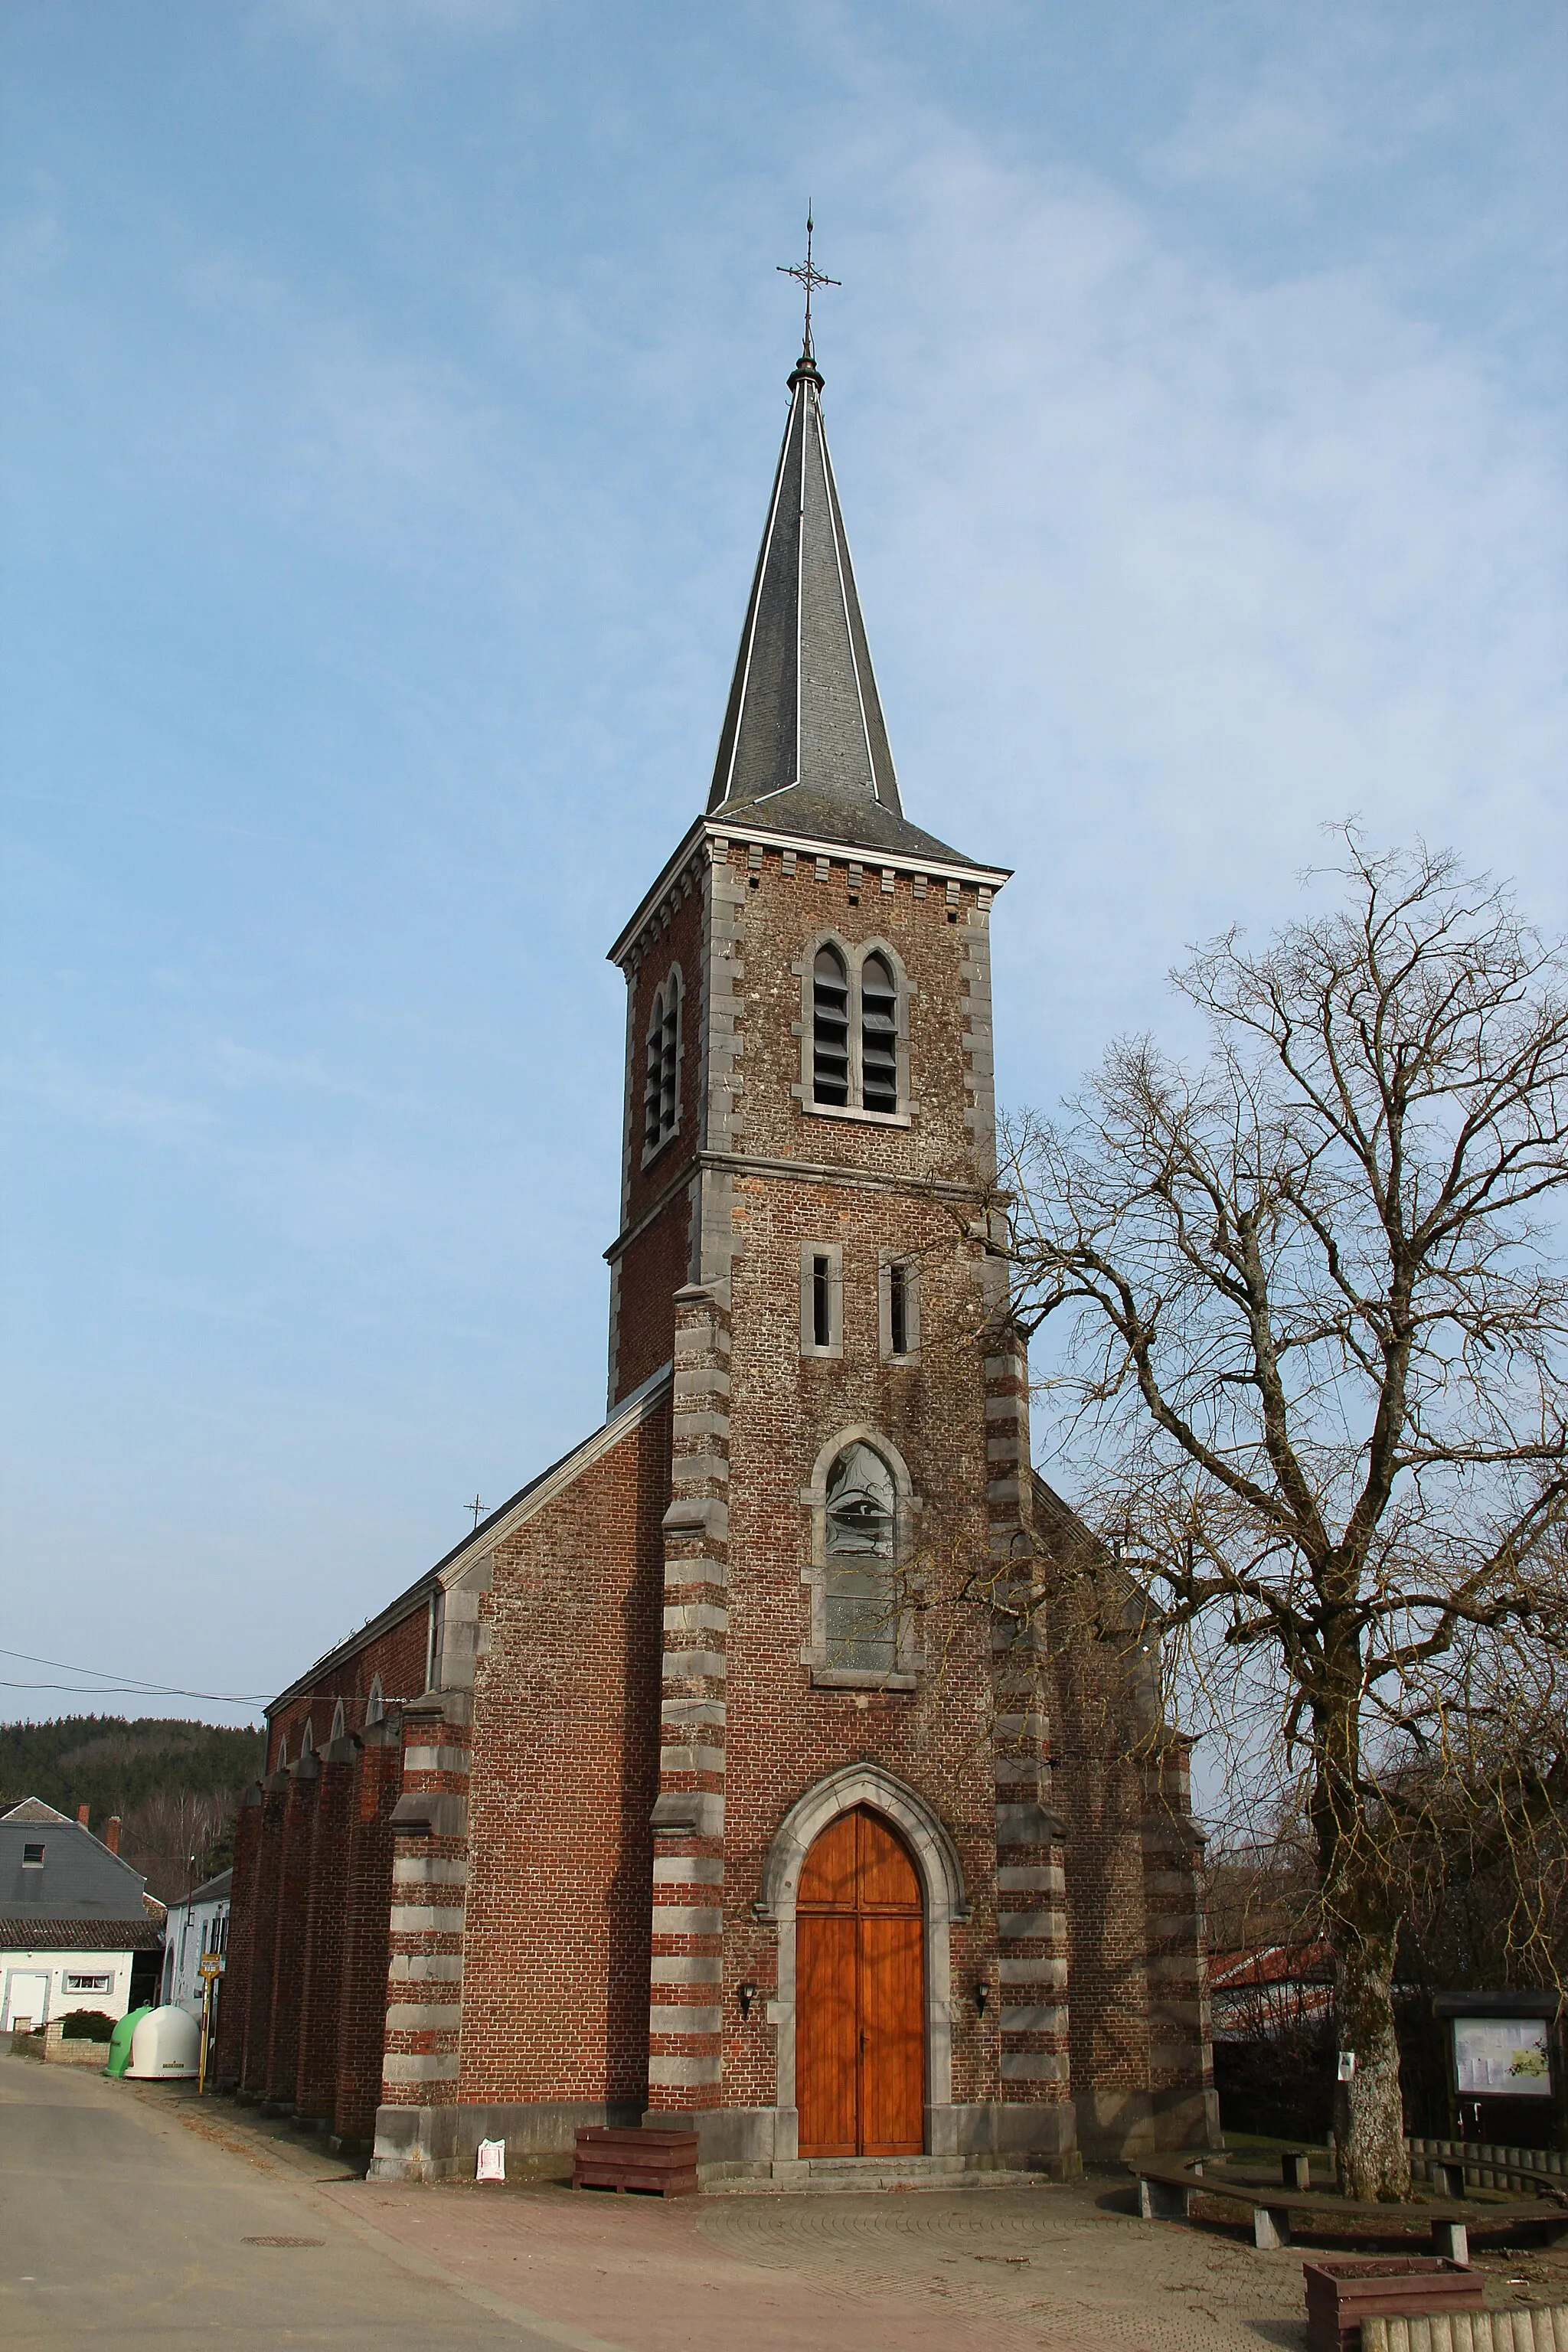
x,y
804,715
804,746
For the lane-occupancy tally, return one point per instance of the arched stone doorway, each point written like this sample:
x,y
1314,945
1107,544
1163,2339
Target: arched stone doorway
x,y
860,1997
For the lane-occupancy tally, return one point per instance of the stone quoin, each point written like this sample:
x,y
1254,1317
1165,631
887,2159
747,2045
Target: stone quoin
x,y
715,1781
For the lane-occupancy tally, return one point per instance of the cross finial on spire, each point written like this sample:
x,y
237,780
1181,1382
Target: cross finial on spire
x,y
807,274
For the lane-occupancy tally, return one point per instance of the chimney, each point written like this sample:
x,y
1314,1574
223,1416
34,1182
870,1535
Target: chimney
x,y
112,1833
81,1813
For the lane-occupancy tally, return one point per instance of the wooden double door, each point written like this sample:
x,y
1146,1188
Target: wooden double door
x,y
859,2033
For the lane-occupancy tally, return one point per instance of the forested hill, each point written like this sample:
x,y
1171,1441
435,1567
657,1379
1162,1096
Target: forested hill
x,y
175,1785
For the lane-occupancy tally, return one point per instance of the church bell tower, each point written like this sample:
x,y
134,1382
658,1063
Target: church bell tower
x,y
849,1954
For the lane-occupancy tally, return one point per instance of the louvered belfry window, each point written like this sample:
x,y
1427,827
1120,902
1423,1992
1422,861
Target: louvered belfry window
x,y
830,1028
878,1036
855,1031
661,1092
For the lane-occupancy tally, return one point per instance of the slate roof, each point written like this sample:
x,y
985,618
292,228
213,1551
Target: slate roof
x,y
29,1935
212,1890
79,1878
804,748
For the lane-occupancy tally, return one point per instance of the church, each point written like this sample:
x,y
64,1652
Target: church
x,y
759,1769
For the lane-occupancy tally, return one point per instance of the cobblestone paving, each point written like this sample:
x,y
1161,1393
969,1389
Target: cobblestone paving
x,y
1049,2269
1049,2265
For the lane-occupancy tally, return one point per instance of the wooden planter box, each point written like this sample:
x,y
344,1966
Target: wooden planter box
x,y
659,2163
1340,2295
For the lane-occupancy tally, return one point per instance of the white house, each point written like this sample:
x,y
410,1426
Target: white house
x,y
77,1928
193,1929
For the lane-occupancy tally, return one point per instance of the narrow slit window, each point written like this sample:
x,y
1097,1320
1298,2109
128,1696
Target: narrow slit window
x,y
878,1036
898,1308
830,1028
822,1301
435,1635
661,1084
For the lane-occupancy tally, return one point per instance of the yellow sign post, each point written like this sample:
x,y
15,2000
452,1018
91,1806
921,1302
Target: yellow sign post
x,y
209,1969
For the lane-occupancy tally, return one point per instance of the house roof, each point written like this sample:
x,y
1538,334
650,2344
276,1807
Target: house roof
x,y
29,1935
804,748
1271,1964
77,1877
212,1890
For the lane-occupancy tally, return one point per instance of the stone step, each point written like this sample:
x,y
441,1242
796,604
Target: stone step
x,y
867,2174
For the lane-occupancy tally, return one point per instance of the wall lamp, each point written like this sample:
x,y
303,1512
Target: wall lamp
x,y
745,1994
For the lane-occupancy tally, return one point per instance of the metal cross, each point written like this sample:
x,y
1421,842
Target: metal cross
x,y
806,273
477,1509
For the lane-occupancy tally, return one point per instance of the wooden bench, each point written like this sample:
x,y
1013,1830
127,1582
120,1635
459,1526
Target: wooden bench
x,y
659,2163
1166,2192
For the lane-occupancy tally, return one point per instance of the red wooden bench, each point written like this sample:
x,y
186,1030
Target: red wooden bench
x,y
659,2163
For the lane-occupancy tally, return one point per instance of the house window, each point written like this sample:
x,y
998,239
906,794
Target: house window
x,y
95,1983
878,1036
900,1309
821,1298
830,1028
32,1857
861,1603
661,1085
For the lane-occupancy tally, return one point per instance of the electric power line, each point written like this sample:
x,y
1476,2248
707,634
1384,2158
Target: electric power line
x,y
106,1687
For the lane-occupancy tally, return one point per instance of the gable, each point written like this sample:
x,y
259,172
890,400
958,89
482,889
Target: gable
x,y
77,1878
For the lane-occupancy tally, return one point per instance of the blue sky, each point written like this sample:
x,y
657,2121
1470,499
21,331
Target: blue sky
x,y
391,389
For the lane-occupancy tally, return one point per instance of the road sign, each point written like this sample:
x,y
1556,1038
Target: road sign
x,y
210,1965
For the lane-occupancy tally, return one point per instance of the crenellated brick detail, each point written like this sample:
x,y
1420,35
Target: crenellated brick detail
x,y
1180,2067
684,2050
1034,2065
429,1825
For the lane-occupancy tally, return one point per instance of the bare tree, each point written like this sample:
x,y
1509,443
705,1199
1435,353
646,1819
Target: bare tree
x,y
1312,1330
172,1835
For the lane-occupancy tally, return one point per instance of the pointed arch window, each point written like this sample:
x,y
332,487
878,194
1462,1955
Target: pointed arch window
x,y
375,1704
862,1630
855,1059
830,1028
661,1078
340,1723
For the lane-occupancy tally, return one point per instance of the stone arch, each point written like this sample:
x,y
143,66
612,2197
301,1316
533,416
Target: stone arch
x,y
340,1723
936,1861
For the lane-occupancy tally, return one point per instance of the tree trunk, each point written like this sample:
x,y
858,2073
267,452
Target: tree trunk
x,y
1372,2157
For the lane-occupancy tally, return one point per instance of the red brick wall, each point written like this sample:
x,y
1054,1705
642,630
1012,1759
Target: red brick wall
x,y
652,1270
566,1719
396,1654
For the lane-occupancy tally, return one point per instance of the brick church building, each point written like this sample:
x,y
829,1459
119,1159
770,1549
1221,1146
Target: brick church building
x,y
756,1768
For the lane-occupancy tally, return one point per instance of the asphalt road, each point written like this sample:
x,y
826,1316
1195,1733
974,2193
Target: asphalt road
x,y
118,2225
